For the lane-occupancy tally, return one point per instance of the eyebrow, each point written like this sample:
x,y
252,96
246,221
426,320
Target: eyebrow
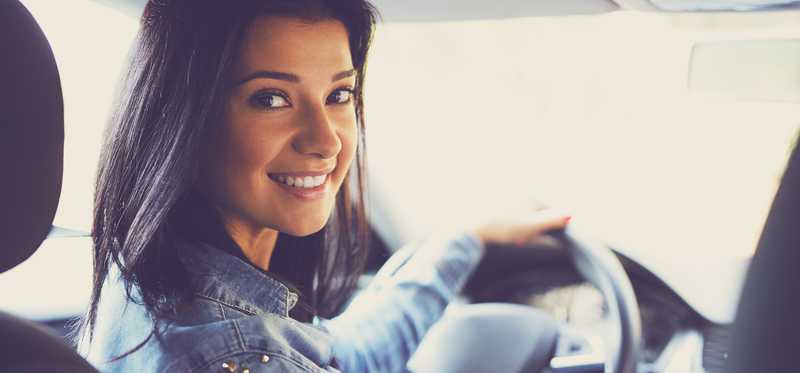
x,y
292,78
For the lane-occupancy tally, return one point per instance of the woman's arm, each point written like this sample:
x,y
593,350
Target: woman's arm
x,y
381,329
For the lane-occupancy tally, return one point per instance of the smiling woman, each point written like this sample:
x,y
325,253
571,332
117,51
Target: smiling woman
x,y
280,79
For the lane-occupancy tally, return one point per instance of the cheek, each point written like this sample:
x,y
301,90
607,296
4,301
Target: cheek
x,y
243,148
249,139
253,149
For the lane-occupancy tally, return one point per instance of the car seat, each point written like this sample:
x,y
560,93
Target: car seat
x,y
31,163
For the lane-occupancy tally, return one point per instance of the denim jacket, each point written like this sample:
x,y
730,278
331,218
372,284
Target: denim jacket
x,y
238,320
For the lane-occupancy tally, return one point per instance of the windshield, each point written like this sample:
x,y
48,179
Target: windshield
x,y
468,120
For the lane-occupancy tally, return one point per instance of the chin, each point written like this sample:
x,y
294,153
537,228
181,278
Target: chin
x,y
307,229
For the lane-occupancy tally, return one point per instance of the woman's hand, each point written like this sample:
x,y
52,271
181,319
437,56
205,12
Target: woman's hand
x,y
523,229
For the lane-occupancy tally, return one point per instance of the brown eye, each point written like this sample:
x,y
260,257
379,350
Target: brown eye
x,y
269,100
340,96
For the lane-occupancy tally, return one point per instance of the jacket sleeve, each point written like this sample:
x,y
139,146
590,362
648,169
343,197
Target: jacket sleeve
x,y
381,328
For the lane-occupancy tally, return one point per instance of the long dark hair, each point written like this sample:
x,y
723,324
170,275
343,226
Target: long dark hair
x,y
166,113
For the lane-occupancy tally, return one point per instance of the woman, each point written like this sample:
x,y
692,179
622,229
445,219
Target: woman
x,y
229,216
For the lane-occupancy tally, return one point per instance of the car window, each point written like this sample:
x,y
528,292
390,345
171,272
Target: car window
x,y
53,284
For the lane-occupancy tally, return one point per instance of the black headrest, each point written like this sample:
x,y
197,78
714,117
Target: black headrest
x,y
31,135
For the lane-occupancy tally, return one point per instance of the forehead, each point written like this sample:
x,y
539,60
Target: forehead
x,y
295,46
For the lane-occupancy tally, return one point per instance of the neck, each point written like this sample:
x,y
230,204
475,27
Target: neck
x,y
258,244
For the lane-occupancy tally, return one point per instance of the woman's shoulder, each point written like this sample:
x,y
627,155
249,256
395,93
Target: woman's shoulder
x,y
259,343
206,335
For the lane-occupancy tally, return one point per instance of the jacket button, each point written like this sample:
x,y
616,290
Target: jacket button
x,y
230,366
264,359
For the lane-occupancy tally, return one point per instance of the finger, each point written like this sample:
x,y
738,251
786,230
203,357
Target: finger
x,y
546,221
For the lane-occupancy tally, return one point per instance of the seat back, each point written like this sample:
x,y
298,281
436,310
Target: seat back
x,y
31,135
766,335
31,165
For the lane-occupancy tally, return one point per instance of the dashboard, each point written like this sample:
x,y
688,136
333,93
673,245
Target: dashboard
x,y
675,337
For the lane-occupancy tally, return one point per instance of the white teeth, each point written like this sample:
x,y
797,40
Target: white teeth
x,y
301,182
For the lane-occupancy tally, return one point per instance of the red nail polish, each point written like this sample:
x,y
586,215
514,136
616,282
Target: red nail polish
x,y
567,219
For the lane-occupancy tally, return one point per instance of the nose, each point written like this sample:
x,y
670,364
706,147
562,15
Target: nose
x,y
317,136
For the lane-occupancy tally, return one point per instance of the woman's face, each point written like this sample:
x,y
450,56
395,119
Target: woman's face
x,y
289,130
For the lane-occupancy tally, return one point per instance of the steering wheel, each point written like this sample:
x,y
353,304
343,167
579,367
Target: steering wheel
x,y
531,349
600,266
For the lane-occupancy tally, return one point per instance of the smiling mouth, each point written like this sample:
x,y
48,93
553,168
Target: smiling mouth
x,y
308,187
300,182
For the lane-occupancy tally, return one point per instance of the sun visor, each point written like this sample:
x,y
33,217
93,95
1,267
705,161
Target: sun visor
x,y
708,5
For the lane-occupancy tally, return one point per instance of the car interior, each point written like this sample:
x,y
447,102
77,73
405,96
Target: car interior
x,y
603,308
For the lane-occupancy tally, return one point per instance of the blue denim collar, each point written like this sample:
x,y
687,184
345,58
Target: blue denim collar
x,y
224,278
